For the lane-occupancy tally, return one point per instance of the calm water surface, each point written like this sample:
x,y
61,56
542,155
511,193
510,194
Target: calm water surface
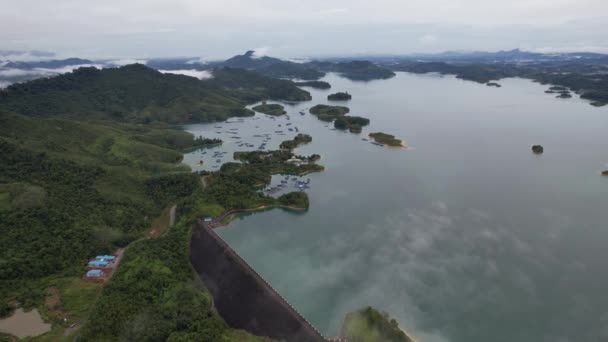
x,y
466,236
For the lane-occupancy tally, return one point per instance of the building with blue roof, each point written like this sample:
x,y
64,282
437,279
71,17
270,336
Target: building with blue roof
x,y
94,273
105,257
98,263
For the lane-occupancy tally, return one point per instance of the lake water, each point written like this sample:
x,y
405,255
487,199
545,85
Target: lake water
x,y
467,236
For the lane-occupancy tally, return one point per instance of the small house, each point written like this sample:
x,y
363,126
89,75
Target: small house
x,y
295,161
94,273
105,257
208,219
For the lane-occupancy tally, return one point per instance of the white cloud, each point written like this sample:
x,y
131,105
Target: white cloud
x,y
4,84
260,52
200,60
332,11
428,39
200,74
42,72
26,56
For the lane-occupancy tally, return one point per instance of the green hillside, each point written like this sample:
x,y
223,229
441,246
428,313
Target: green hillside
x,y
138,94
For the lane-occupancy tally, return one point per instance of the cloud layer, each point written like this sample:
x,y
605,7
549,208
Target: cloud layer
x,y
221,29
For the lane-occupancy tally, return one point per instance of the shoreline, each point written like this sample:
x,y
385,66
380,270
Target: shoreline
x,y
232,213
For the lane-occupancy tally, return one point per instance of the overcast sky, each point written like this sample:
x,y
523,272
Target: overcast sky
x,y
294,28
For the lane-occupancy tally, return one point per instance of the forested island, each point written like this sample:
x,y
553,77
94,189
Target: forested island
x,y
339,96
386,139
353,123
270,109
336,114
538,149
328,113
314,84
296,141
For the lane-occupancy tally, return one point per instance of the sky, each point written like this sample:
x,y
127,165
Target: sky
x,y
294,28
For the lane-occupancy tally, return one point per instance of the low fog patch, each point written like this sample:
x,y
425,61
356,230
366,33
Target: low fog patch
x,y
200,74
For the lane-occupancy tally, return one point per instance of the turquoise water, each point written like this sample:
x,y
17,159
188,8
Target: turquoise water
x,y
465,236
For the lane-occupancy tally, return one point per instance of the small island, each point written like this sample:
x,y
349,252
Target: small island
x,y
564,95
493,84
296,141
314,84
340,96
352,123
207,142
371,325
270,109
321,109
386,139
605,173
538,149
328,113
557,90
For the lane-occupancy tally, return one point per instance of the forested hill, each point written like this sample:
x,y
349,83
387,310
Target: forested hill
x,y
136,93
272,67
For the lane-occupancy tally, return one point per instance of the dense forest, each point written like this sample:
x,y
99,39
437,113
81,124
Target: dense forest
x,y
75,189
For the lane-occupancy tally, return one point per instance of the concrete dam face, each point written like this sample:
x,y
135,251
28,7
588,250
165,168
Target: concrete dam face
x,y
241,296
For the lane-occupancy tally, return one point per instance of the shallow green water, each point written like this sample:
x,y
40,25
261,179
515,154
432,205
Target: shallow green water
x,y
466,236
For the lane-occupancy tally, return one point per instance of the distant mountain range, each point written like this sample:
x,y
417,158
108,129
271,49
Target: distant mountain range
x,y
19,66
49,64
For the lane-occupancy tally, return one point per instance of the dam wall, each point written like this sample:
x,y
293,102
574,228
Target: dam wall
x,y
240,295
